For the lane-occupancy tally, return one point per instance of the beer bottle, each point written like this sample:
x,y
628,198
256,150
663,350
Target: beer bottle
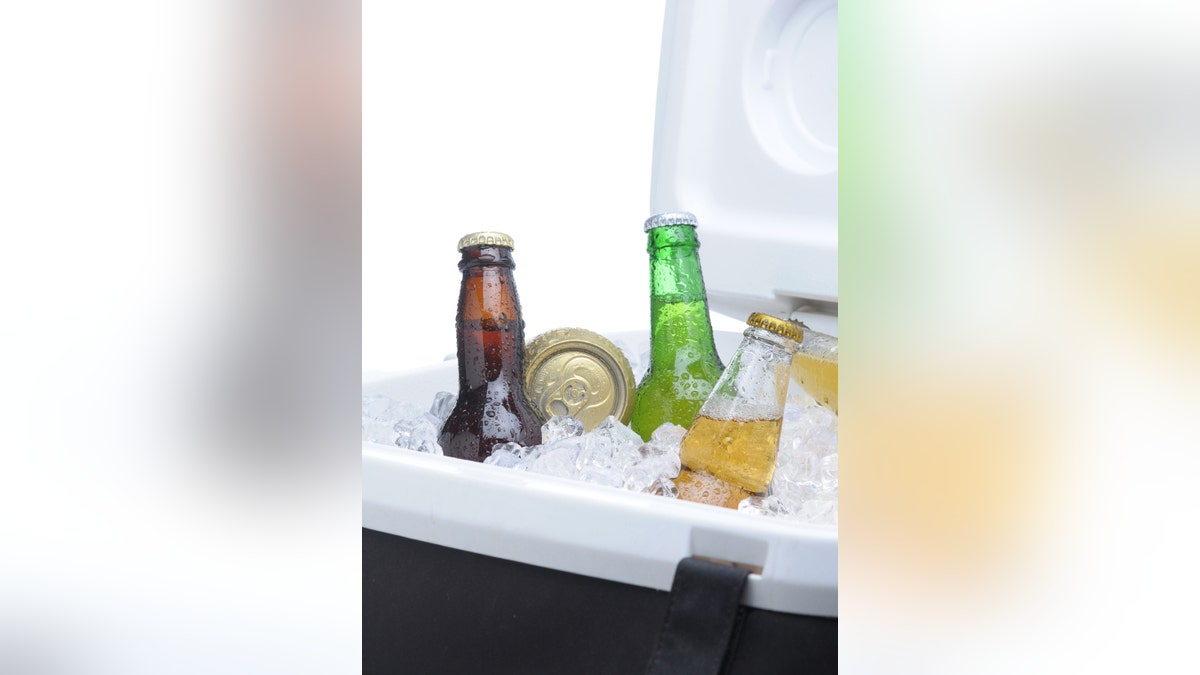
x,y
684,364
815,367
729,452
491,406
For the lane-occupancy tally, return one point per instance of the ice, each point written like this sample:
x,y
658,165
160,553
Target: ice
x,y
805,487
559,427
420,434
603,475
820,511
443,405
612,432
664,487
508,456
381,413
556,459
829,474
611,454
663,448
771,506
668,435
611,445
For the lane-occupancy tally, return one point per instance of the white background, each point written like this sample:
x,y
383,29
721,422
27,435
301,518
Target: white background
x,y
535,119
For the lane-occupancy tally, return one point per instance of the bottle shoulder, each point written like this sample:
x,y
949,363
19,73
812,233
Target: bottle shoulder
x,y
708,368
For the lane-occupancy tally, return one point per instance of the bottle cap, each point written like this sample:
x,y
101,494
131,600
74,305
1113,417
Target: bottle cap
x,y
664,219
776,325
485,239
576,372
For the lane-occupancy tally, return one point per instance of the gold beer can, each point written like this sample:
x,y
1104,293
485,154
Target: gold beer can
x,y
577,372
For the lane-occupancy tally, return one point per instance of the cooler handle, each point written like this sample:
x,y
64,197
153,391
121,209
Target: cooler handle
x,y
702,618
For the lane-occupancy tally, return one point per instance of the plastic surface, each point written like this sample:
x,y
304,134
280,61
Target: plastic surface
x,y
745,137
585,529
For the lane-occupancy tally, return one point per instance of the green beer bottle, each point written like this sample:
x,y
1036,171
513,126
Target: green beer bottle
x,y
684,364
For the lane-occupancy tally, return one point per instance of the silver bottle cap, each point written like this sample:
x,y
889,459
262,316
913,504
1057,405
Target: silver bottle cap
x,y
675,218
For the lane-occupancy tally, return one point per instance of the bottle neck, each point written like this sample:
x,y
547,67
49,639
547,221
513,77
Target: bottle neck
x,y
675,264
755,384
678,304
491,332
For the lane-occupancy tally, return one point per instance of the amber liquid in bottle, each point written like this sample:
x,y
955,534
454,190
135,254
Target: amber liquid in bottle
x,y
491,407
729,452
741,452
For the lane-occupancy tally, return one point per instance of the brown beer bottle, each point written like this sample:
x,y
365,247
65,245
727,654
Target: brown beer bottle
x,y
491,406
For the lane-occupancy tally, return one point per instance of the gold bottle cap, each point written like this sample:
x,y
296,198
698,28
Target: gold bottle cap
x,y
776,325
485,239
576,372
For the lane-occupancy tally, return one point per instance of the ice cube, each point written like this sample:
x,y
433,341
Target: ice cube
x,y
798,468
374,431
770,506
420,434
805,482
640,477
443,405
380,414
664,487
603,476
559,427
663,447
819,511
515,449
508,456
665,465
612,431
668,435
829,473
593,454
556,459
625,455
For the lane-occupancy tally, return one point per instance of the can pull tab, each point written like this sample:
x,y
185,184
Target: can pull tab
x,y
702,619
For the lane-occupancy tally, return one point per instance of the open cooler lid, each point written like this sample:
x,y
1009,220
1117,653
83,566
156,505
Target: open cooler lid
x,y
745,137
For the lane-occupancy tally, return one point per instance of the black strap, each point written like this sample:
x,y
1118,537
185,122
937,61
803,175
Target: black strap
x,y
701,619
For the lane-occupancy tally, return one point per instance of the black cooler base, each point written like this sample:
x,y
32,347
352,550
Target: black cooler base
x,y
432,609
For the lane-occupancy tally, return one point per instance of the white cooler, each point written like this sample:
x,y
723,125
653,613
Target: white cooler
x,y
474,568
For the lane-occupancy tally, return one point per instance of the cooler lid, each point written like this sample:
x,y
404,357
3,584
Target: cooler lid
x,y
745,137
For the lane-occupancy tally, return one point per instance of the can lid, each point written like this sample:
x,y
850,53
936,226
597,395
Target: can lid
x,y
485,239
577,372
776,325
672,218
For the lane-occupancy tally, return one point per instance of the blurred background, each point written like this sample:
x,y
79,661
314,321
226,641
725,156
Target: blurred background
x,y
195,273
1019,221
180,192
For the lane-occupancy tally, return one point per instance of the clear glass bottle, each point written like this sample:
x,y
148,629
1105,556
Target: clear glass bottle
x,y
815,367
729,452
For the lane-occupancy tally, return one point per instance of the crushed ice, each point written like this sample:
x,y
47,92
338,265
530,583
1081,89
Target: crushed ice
x,y
804,489
805,485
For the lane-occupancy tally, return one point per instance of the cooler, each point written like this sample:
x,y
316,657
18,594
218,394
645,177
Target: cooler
x,y
469,568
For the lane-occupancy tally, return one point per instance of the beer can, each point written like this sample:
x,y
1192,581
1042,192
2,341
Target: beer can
x,y
577,372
